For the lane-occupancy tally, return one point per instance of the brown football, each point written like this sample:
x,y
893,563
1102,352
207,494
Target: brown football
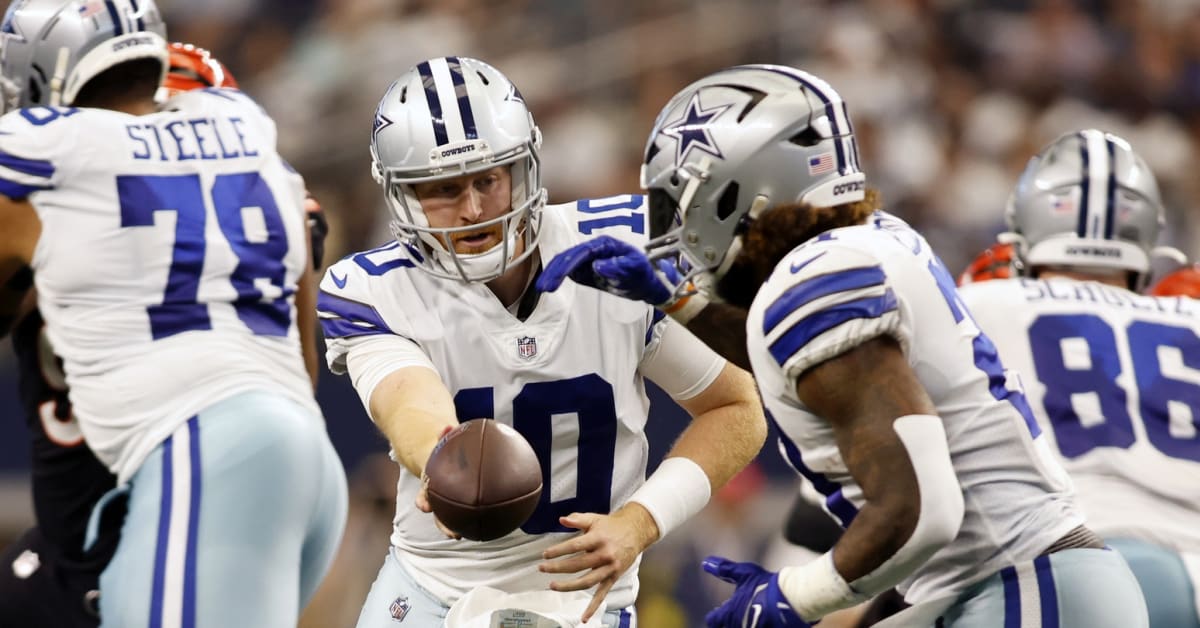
x,y
484,480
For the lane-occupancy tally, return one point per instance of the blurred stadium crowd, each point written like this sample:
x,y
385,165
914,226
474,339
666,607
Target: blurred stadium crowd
x,y
949,99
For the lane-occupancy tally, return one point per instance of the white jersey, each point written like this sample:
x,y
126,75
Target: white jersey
x,y
170,249
1114,379
569,378
853,284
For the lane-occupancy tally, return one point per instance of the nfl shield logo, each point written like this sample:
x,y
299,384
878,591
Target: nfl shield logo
x,y
526,347
400,608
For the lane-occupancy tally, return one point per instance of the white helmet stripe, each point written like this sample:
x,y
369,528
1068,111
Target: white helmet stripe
x,y
1111,191
435,104
464,99
445,88
1095,166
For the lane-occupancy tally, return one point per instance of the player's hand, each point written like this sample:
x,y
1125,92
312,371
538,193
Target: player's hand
x,y
607,548
422,503
422,500
614,266
757,601
318,228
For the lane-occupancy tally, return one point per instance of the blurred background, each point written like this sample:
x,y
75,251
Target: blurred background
x,y
949,98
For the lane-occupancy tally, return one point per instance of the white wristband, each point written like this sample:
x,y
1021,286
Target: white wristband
x,y
678,489
687,308
817,589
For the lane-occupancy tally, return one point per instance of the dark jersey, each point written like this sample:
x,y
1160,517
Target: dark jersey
x,y
67,479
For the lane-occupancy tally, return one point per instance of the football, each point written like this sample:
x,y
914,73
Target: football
x,y
484,480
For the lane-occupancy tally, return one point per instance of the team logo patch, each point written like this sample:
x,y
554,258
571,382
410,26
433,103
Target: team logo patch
x,y
527,347
400,608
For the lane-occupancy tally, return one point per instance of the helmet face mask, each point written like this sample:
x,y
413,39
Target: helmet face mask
x,y
735,143
1087,203
447,118
51,48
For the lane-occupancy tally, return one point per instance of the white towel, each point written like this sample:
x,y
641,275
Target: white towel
x,y
485,607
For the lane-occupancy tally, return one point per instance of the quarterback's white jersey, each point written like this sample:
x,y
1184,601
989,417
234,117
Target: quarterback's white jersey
x,y
849,285
170,243
1114,379
569,378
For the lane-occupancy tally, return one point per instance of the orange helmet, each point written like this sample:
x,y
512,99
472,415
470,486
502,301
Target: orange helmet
x,y
1184,282
995,262
194,68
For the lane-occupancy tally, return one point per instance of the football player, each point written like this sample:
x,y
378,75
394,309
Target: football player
x,y
442,325
887,396
1111,374
169,253
52,580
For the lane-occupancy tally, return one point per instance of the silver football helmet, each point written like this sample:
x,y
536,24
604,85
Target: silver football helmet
x,y
735,143
445,118
1087,201
51,48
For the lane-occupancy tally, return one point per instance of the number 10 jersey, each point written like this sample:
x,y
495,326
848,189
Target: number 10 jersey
x,y
569,378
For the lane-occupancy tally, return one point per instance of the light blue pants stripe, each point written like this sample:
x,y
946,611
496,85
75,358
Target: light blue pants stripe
x,y
233,521
1078,588
1169,590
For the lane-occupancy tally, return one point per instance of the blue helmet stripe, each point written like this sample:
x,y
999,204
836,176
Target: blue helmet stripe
x,y
141,23
435,105
1110,210
830,110
1084,184
118,27
464,101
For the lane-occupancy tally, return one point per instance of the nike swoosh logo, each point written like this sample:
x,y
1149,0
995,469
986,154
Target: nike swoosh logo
x,y
340,283
798,267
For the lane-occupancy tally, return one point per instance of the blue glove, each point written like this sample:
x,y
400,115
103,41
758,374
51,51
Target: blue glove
x,y
757,601
611,265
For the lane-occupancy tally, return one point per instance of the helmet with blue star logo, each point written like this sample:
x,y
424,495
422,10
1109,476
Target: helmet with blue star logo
x,y
446,118
735,143
52,48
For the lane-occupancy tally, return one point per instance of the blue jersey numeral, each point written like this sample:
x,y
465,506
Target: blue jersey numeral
x,y
987,359
1155,390
1062,382
143,196
231,195
590,399
635,221
41,116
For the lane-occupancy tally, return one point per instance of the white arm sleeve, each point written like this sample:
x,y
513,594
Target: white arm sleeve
x,y
817,589
369,359
679,362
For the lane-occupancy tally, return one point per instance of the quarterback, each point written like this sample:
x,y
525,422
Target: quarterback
x,y
443,325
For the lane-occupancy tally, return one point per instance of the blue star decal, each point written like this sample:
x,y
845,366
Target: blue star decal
x,y
381,123
514,94
691,131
